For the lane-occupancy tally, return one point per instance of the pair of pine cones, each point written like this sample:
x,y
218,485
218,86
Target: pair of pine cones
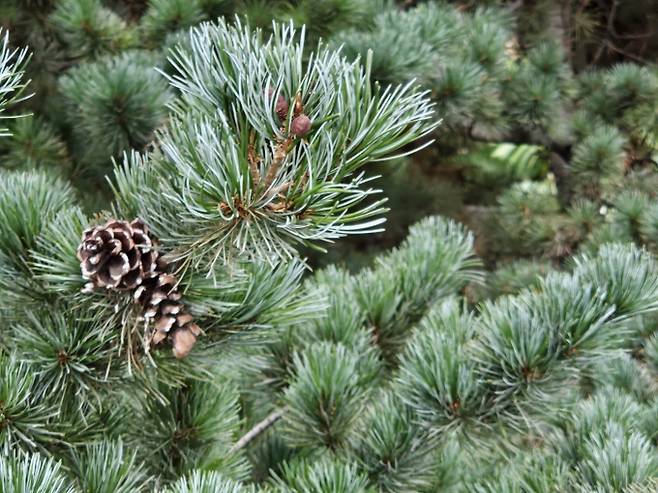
x,y
122,256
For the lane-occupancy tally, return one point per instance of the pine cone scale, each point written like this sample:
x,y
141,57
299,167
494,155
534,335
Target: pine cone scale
x,y
125,240
118,266
171,308
94,262
159,336
133,279
133,259
183,340
149,264
164,324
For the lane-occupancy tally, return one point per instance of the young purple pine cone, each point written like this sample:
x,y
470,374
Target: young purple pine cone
x,y
281,107
301,125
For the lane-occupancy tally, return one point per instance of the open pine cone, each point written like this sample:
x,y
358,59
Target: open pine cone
x,y
118,255
161,301
121,256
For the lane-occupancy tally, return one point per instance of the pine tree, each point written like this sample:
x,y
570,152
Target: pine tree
x,y
168,333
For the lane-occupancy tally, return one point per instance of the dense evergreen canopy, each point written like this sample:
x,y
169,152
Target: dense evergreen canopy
x,y
200,288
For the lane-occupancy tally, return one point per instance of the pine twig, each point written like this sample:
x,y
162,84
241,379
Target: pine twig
x,y
254,160
280,153
258,429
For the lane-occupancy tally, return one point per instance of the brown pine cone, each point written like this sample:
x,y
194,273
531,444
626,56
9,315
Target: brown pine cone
x,y
161,301
118,255
121,256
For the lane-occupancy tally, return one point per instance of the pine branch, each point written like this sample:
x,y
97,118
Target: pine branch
x,y
12,70
239,178
257,429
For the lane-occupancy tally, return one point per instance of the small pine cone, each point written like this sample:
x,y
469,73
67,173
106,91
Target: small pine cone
x,y
281,106
118,255
162,303
301,125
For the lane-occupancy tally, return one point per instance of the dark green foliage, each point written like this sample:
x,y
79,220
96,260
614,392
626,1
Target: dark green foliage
x,y
516,276
325,17
455,55
165,16
326,398
213,9
599,154
109,468
393,450
620,89
27,202
32,473
34,144
593,128
410,371
321,476
114,105
88,29
395,56
179,430
208,482
518,209
23,415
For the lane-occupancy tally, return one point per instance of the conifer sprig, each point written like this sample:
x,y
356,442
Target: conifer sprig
x,y
12,71
238,176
